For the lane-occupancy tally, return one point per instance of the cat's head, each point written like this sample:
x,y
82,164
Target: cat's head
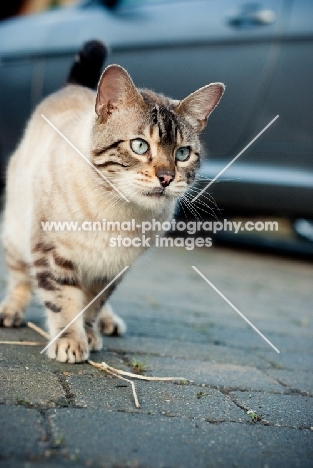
x,y
145,144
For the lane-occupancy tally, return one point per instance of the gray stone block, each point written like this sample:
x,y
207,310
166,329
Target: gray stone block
x,y
21,433
29,387
294,380
185,401
224,376
282,410
113,439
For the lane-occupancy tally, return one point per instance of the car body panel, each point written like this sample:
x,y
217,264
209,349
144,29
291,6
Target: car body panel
x,y
262,52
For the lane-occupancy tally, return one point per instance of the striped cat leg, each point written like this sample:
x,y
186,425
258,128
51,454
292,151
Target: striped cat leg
x,y
64,299
100,317
91,320
107,321
19,290
110,323
93,313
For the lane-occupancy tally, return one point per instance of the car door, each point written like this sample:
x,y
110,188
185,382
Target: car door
x,y
286,151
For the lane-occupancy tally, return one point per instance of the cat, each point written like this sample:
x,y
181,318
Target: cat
x,y
144,151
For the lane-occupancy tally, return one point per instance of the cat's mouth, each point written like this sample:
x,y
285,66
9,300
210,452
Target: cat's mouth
x,y
155,192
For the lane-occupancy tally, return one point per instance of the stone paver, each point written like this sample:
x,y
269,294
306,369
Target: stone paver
x,y
283,410
57,415
123,439
22,433
185,401
186,349
224,376
29,387
296,381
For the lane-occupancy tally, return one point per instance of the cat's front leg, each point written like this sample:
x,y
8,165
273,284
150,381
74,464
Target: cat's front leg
x,y
110,323
91,319
100,318
61,309
64,299
72,345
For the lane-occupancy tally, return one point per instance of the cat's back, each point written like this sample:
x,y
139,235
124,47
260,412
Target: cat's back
x,y
31,162
62,108
65,104
72,97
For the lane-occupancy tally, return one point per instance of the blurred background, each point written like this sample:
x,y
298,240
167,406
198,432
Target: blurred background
x,y
262,51
26,7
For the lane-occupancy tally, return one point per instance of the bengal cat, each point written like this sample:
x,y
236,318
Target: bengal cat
x,y
144,151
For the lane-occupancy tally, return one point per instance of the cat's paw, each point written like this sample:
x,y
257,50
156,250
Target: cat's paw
x,y
70,350
111,324
94,339
10,317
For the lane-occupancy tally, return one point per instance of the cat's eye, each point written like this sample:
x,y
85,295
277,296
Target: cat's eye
x,y
139,146
183,153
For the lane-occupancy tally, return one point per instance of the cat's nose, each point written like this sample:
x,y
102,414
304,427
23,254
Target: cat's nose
x,y
165,177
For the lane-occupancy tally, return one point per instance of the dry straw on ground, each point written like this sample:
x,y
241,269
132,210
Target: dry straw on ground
x,y
101,366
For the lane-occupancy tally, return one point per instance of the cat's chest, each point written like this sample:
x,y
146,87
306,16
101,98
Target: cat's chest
x,y
107,252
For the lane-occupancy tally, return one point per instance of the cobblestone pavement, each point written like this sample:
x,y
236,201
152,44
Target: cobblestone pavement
x,y
55,415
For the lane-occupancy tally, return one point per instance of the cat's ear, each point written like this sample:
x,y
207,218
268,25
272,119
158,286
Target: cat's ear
x,y
115,90
197,107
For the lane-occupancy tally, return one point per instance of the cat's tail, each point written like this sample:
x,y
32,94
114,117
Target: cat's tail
x,y
88,64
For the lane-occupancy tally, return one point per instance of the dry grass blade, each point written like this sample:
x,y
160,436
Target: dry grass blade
x,y
95,364
29,343
118,373
101,366
24,343
140,377
38,330
112,371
